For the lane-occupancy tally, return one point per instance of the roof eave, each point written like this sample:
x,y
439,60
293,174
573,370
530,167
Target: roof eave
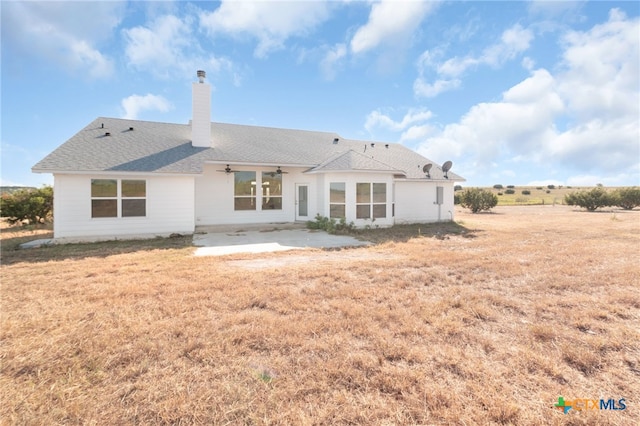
x,y
111,172
313,171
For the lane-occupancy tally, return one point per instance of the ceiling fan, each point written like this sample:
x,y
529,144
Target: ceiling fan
x,y
227,170
277,172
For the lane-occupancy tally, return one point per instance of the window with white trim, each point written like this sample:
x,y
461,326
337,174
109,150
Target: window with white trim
x,y
337,199
244,191
371,200
271,191
134,198
118,198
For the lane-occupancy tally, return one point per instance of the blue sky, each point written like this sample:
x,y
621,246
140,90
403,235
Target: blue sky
x,y
523,93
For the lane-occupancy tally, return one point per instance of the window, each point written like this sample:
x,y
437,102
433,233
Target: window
x,y
379,191
245,190
337,200
371,200
134,193
271,191
106,199
363,200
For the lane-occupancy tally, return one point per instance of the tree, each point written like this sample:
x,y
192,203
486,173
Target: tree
x,y
477,199
591,199
34,205
626,198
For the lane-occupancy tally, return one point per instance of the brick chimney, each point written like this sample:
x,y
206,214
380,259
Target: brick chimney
x,y
201,112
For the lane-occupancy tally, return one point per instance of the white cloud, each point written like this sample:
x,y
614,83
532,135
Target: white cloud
x,y
85,57
583,118
456,66
415,133
390,22
66,33
168,46
272,23
528,63
158,46
378,119
545,182
513,41
429,90
523,118
135,104
332,60
601,70
616,179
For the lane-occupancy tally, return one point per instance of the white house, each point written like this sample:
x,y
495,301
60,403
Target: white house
x,y
121,178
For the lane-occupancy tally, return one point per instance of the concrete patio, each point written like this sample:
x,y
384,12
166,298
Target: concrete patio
x,y
222,241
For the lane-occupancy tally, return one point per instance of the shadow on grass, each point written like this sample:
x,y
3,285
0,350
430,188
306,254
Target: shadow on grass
x,y
403,233
12,253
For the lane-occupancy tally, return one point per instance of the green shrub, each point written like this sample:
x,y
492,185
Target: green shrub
x,y
551,186
626,198
511,186
526,192
457,188
331,226
590,199
498,186
34,205
510,191
538,188
477,199
456,199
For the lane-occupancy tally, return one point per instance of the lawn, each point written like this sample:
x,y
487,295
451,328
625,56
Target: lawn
x,y
485,321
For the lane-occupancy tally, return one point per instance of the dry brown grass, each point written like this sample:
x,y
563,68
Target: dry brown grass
x,y
488,326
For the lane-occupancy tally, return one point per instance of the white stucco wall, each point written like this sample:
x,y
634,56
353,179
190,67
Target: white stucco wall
x,y
169,208
416,201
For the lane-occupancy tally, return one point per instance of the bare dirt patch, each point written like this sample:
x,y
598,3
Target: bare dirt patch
x,y
489,326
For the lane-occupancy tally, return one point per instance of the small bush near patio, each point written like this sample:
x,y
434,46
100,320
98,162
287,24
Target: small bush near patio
x,y
331,226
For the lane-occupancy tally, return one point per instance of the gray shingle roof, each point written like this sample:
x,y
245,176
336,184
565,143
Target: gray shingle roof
x,y
353,161
166,148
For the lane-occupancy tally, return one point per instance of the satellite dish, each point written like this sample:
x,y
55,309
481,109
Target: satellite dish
x,y
446,167
426,168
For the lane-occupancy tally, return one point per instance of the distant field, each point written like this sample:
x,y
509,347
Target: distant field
x,y
10,189
540,195
485,321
